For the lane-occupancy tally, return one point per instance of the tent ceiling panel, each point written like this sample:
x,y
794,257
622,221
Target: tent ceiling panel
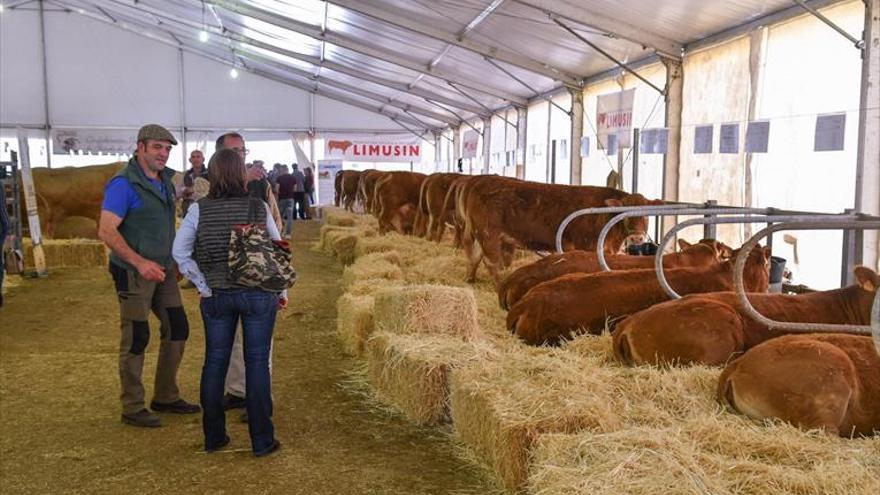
x,y
76,99
267,103
21,78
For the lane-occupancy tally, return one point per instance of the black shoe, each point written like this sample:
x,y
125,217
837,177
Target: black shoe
x,y
233,402
219,446
179,406
142,418
272,448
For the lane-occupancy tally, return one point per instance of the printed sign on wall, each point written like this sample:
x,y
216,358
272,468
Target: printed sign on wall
x,y
327,170
107,141
373,147
469,142
614,117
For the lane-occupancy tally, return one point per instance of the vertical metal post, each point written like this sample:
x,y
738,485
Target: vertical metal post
x,y
848,256
45,88
710,230
577,132
635,165
672,158
552,166
521,141
182,102
867,193
549,146
487,143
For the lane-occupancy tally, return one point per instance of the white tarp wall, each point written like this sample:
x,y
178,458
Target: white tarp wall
x,y
143,86
808,70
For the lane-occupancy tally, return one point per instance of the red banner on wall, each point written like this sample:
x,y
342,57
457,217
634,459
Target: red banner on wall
x,y
373,147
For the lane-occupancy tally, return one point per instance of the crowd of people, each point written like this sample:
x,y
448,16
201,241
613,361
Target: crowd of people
x,y
147,253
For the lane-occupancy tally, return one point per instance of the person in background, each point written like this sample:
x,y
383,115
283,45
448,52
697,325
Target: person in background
x,y
201,249
309,185
5,236
137,224
273,178
299,192
258,187
197,160
286,184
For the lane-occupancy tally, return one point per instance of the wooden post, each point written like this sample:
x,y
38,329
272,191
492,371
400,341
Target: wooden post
x,y
30,199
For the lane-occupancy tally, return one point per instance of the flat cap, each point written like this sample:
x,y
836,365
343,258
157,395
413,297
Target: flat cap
x,y
155,132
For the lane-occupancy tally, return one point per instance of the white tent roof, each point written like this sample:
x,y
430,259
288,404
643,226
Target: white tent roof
x,y
437,61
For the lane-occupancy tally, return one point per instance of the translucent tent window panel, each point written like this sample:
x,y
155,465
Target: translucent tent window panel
x,y
809,70
536,139
649,111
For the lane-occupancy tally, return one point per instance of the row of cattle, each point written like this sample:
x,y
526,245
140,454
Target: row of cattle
x,y
829,381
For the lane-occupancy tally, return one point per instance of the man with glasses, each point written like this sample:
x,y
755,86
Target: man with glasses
x,y
235,376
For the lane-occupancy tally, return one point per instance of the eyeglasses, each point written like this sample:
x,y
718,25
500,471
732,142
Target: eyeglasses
x,y
241,151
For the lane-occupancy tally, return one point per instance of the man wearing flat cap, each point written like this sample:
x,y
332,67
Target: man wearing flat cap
x,y
137,224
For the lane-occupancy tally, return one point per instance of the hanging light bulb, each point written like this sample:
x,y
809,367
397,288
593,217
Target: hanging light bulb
x,y
233,73
203,36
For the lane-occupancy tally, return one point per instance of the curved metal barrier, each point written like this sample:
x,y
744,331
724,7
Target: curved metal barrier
x,y
647,211
826,224
658,259
603,209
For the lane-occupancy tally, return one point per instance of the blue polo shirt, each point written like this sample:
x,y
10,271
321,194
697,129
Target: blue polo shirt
x,y
120,196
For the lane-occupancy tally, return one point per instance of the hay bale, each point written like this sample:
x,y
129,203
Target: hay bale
x,y
76,227
68,252
428,309
712,454
339,217
377,265
500,408
344,246
369,287
411,373
326,236
354,322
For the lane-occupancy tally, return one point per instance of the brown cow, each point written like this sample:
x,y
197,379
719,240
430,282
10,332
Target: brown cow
x,y
350,180
499,210
396,200
557,308
435,189
69,191
515,285
337,187
450,202
828,381
710,328
367,187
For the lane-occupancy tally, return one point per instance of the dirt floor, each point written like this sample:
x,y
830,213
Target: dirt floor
x,y
60,430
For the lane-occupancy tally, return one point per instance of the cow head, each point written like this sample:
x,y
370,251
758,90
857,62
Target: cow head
x,y
756,273
636,228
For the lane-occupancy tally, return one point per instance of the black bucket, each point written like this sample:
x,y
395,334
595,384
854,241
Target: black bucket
x,y
777,267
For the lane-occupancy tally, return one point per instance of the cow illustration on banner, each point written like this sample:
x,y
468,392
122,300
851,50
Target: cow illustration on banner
x,y
614,118
373,147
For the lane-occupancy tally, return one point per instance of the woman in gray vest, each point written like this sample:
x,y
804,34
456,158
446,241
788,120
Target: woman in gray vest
x,y
201,249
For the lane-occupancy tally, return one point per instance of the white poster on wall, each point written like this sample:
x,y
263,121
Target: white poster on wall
x,y
703,139
728,138
585,146
67,141
469,142
757,136
614,117
829,132
373,147
327,170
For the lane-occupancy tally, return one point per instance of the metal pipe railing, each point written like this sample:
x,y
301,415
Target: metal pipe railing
x,y
600,210
658,260
875,321
824,224
647,211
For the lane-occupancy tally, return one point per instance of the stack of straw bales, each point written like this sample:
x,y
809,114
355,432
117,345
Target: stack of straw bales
x,y
561,420
68,252
411,372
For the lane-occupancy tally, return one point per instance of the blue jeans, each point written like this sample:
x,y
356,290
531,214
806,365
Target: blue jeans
x,y
221,313
287,213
